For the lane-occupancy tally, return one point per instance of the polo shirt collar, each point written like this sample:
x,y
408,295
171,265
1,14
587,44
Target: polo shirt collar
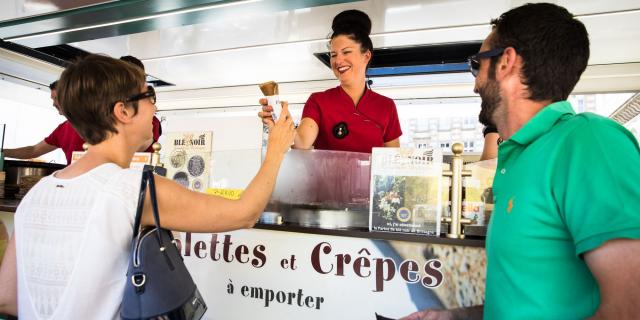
x,y
345,95
542,122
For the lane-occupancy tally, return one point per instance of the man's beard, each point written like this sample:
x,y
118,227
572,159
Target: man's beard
x,y
490,95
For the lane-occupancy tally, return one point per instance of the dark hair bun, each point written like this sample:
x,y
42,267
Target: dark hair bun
x,y
351,21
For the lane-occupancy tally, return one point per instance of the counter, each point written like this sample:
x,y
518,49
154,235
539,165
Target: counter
x,y
475,234
356,274
348,273
470,241
319,260
319,245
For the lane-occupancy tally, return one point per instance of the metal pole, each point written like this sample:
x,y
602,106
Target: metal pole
x,y
456,173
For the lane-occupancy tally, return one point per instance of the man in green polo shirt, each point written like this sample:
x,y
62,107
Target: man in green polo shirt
x,y
563,240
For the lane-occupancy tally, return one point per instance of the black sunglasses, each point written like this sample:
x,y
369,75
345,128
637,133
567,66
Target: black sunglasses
x,y
474,60
150,93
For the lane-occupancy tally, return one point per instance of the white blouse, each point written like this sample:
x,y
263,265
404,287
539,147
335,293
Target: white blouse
x,y
72,244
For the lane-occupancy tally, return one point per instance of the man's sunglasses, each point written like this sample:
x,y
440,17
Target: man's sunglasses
x,y
474,60
150,93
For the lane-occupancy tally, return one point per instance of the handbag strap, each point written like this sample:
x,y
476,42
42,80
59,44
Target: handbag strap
x,y
154,204
147,179
140,208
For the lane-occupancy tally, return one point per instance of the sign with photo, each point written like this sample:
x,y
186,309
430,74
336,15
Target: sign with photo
x,y
187,158
406,190
273,275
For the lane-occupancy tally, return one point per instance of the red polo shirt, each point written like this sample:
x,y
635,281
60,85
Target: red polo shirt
x,y
371,123
66,138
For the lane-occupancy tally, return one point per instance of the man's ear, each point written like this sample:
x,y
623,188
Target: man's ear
x,y
508,64
121,112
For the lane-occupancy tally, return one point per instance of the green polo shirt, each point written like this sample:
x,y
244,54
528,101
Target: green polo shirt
x,y
565,183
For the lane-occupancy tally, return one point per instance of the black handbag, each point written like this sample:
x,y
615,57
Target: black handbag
x,y
158,284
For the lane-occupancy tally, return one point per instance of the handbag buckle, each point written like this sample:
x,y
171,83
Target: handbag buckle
x,y
138,280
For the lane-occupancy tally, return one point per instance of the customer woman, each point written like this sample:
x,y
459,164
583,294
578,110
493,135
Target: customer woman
x,y
350,117
70,248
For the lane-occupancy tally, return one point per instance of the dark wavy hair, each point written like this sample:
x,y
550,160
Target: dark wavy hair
x,y
89,88
354,24
554,47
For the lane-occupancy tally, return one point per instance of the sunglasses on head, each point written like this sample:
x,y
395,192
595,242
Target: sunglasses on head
x,y
474,60
150,93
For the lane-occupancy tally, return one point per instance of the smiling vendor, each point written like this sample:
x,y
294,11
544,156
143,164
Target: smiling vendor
x,y
349,117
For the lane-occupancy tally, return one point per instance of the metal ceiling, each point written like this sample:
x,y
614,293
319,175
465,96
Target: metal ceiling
x,y
217,55
117,18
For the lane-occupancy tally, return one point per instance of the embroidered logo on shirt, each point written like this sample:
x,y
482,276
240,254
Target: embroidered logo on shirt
x,y
59,186
510,205
340,130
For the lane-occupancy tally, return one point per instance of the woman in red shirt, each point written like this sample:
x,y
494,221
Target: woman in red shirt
x,y
349,117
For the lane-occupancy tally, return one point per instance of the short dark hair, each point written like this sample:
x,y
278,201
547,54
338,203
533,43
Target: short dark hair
x,y
354,24
90,87
554,47
53,85
133,60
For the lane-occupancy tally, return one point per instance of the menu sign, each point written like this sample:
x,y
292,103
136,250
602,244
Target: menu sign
x,y
273,275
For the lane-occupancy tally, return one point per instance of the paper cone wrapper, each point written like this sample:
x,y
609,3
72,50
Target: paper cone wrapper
x,y
270,90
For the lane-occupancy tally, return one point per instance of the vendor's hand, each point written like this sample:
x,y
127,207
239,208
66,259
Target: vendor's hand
x,y
265,114
282,132
430,314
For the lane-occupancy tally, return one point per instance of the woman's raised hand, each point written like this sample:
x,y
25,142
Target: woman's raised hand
x,y
282,132
265,114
